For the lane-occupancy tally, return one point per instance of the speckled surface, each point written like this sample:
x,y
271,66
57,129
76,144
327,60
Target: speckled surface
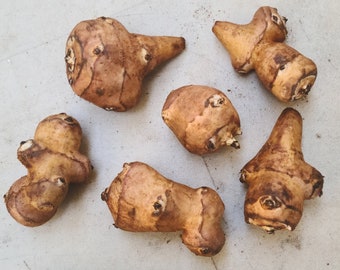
x,y
33,85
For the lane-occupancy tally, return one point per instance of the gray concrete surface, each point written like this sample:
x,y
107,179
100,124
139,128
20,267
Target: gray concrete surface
x,y
33,85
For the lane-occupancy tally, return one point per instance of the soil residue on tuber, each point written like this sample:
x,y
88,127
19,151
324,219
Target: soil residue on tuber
x,y
53,161
106,65
259,45
202,118
278,178
142,200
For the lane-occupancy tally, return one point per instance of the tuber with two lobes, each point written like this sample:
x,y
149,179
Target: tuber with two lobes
x,y
259,45
53,162
140,199
278,178
106,64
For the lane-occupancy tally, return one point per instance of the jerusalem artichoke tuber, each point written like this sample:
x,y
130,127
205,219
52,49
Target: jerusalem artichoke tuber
x,y
53,161
202,118
106,64
142,200
259,45
278,178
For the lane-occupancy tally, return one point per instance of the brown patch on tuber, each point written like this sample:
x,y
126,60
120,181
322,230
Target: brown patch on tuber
x,y
142,200
105,64
278,178
259,46
202,118
53,161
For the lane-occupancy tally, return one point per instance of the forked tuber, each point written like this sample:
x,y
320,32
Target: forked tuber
x,y
140,199
259,46
202,118
106,64
53,161
278,178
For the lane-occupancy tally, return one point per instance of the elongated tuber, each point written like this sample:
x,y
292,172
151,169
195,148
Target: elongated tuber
x,y
142,200
53,161
278,178
259,46
106,64
202,118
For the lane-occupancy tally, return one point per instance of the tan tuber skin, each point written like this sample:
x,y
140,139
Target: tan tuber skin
x,y
278,178
53,161
202,118
106,64
142,200
259,46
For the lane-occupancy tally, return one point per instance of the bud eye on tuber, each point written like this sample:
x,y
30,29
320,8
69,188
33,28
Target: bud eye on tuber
x,y
259,46
105,64
202,118
53,161
278,178
142,200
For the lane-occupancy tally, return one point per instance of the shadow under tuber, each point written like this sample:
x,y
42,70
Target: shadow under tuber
x,y
106,65
53,161
140,199
259,45
278,178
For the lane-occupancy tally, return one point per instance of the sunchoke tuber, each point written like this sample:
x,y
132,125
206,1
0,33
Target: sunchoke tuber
x,y
142,200
202,118
259,45
106,64
53,161
278,178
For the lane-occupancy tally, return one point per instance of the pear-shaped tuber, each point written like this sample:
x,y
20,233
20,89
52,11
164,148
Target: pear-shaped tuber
x,y
53,161
278,178
142,200
259,46
106,64
202,118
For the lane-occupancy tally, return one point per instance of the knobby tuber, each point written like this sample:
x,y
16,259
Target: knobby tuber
x,y
53,161
140,199
202,118
278,178
259,46
106,64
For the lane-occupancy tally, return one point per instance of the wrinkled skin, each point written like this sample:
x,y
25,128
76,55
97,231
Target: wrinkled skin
x,y
259,46
106,65
142,200
53,161
202,118
278,178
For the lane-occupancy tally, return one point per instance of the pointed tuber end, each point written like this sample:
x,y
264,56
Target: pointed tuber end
x,y
156,50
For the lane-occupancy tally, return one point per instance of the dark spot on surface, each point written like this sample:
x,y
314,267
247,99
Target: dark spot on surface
x,y
205,251
100,92
280,59
61,179
157,206
69,119
97,51
132,213
275,18
148,57
211,145
103,195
